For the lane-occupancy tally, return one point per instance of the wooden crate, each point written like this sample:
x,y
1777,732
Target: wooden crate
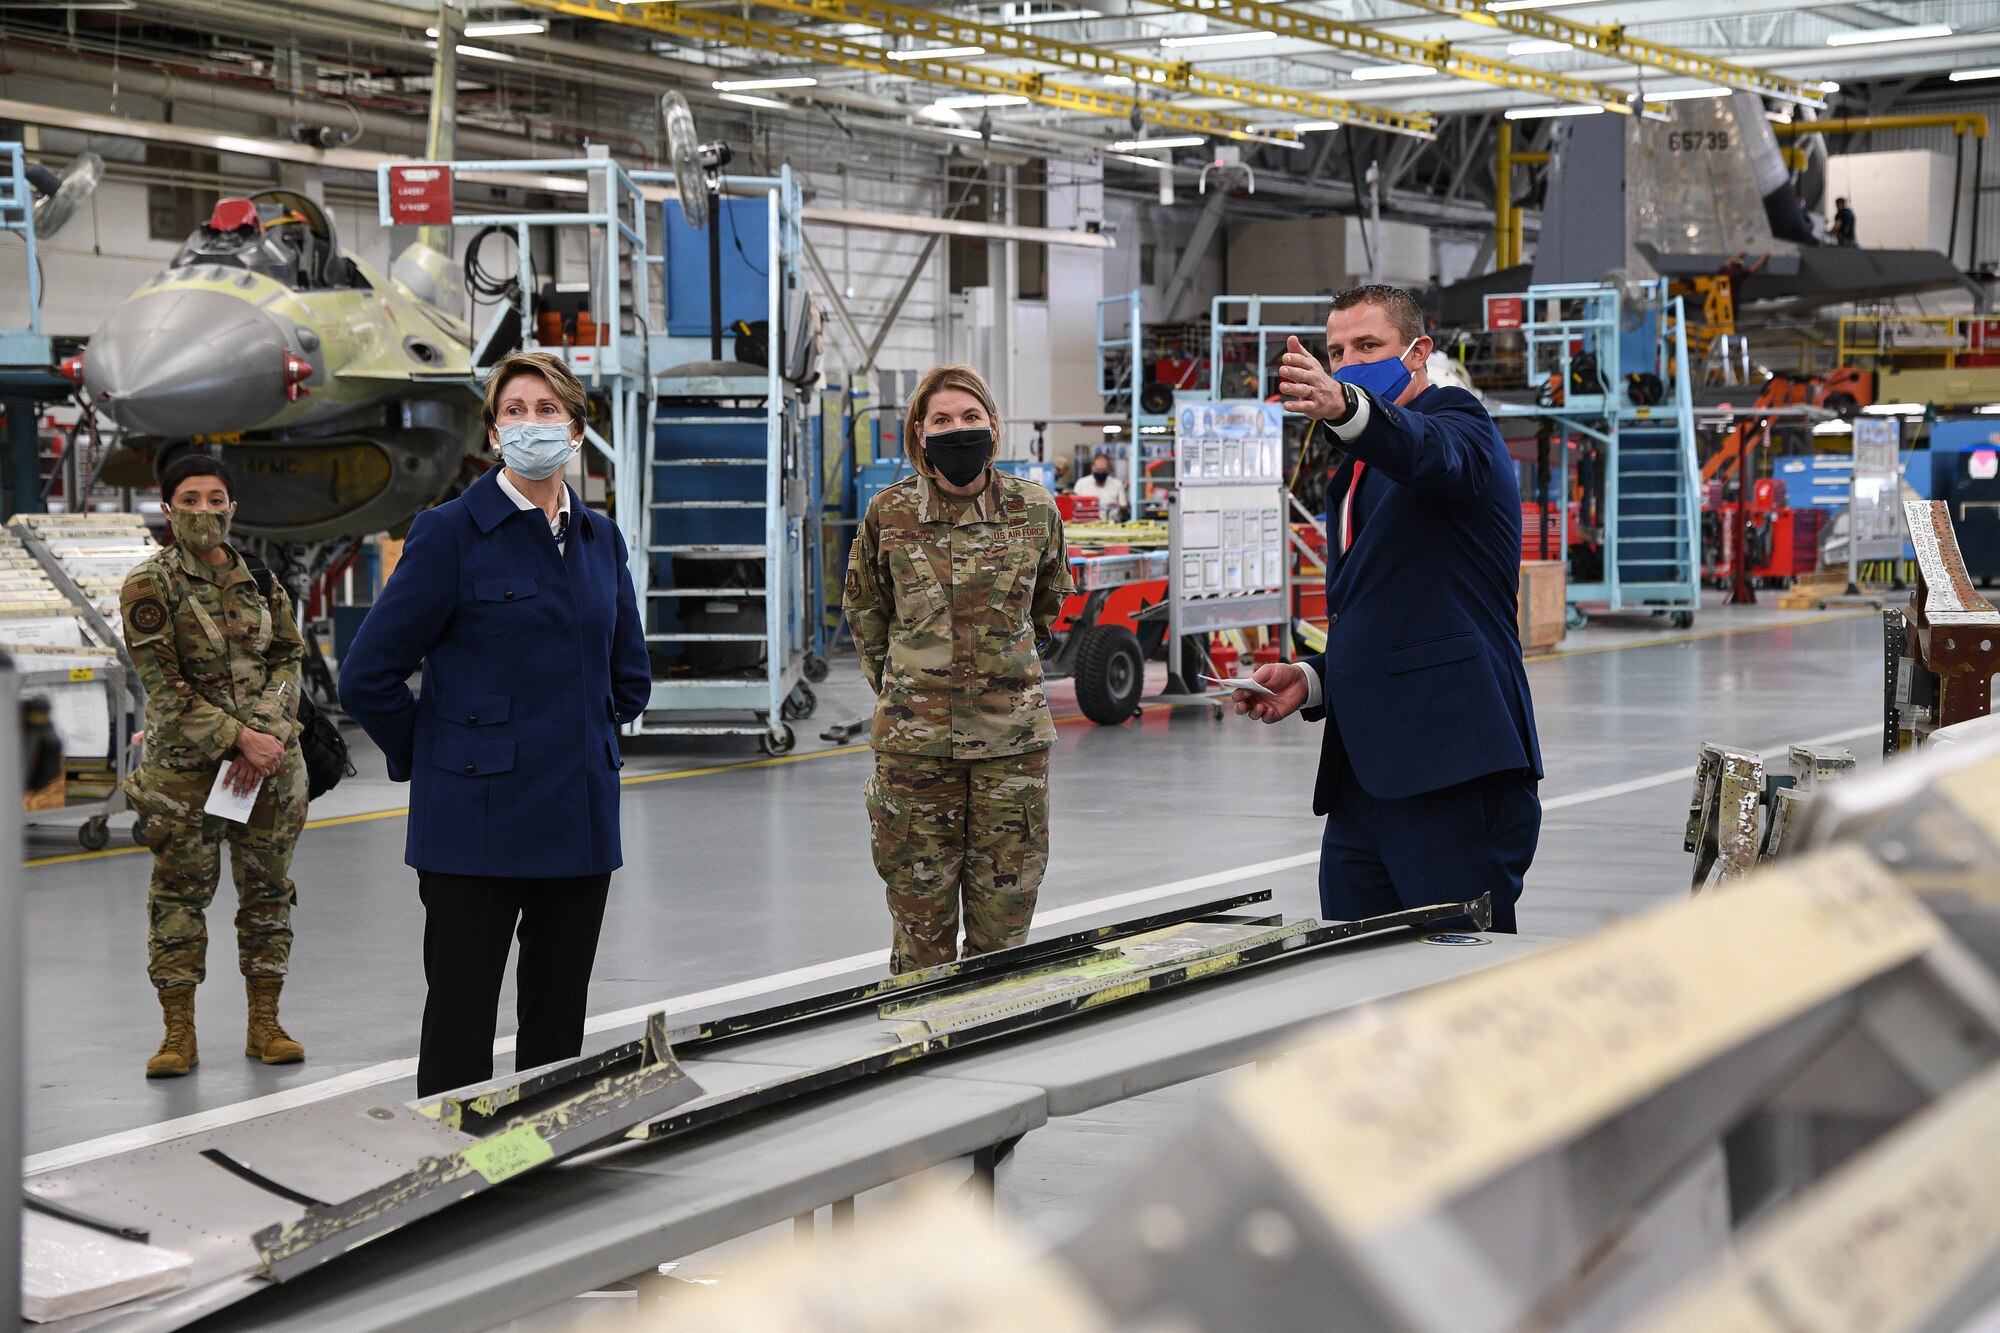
x,y
1544,605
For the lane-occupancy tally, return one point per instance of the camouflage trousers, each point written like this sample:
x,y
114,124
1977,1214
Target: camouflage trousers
x,y
959,836
187,865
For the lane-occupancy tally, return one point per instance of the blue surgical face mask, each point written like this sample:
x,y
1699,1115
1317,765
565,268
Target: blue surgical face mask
x,y
536,449
1385,379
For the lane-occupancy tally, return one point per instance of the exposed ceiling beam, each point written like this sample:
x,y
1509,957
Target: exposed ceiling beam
x,y
1393,49
925,25
796,44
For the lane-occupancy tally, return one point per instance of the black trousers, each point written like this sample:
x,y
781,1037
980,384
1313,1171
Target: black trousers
x,y
469,922
1444,846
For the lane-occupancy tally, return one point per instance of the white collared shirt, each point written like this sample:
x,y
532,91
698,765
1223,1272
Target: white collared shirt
x,y
558,526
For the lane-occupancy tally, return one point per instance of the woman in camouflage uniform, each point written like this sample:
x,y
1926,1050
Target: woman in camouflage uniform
x,y
219,660
955,579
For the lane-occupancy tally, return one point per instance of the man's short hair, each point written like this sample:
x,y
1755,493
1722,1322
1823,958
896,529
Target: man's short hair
x,y
1405,315
562,382
194,465
1838,201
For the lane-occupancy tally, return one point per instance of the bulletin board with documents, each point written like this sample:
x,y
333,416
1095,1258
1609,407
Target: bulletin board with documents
x,y
1227,533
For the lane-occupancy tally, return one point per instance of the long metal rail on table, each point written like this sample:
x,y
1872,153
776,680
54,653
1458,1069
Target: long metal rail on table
x,y
272,1201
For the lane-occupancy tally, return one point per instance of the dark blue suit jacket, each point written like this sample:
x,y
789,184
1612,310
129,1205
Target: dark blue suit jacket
x,y
532,659
1422,670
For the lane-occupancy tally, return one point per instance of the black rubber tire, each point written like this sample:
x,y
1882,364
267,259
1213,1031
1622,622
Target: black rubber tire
x,y
816,668
800,704
95,835
1681,620
779,742
1156,399
139,831
1110,674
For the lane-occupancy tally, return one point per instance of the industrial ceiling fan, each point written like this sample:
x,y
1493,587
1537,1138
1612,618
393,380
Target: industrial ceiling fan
x,y
698,179
61,195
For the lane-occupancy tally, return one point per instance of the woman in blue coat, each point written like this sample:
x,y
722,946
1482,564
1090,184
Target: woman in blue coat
x,y
518,604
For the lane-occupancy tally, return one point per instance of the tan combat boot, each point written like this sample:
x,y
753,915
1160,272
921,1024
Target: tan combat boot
x,y
267,1039
177,1053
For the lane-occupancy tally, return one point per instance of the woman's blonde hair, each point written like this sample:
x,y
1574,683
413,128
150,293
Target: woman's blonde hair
x,y
561,379
936,378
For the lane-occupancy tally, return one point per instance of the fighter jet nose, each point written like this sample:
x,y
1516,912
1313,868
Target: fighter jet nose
x,y
187,362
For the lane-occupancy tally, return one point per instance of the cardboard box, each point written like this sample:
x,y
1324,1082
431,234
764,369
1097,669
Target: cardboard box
x,y
1544,610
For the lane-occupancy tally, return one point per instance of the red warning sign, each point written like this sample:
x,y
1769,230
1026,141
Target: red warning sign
x,y
420,196
1503,312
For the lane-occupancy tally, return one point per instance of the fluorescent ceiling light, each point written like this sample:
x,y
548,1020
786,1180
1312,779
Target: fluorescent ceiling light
x,y
1509,6
1061,16
1301,126
1537,46
1219,39
1870,36
1369,72
1551,112
1687,95
1968,75
749,99
476,52
1832,428
518,28
958,131
1171,141
1156,163
747,85
1894,409
1117,81
1828,86
1990,410
979,100
938,53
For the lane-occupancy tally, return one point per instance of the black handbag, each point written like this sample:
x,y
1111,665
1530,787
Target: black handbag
x,y
321,745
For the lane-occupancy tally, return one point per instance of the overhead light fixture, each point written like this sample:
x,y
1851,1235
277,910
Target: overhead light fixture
x,y
1266,139
937,53
1117,81
1832,428
1968,75
1113,430
1156,163
1064,16
1870,36
1828,86
958,132
1894,409
748,85
1537,46
972,100
1220,38
1687,95
1509,6
1552,112
515,28
1368,73
1301,126
1989,410
476,52
749,99
1171,141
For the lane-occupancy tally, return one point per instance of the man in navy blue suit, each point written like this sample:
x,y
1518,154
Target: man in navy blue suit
x,y
1428,771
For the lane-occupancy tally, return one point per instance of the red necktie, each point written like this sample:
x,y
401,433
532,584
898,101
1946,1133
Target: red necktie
x,y
1347,507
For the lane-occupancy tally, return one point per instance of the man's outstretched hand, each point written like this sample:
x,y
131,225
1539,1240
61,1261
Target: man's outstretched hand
x,y
1286,681
1306,387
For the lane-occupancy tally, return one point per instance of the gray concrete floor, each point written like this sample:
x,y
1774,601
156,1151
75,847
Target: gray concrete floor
x,y
739,868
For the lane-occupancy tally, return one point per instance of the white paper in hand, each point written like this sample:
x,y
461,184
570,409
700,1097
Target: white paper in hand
x,y
226,804
1244,683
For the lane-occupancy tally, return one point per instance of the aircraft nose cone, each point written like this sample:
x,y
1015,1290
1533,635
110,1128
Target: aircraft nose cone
x,y
187,362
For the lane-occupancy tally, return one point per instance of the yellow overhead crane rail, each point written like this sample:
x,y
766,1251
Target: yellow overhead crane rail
x,y
1392,49
929,25
1612,41
791,42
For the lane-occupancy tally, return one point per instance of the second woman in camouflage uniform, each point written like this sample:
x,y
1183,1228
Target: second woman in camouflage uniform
x,y
957,576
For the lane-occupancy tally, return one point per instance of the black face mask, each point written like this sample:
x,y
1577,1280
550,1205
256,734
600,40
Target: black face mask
x,y
960,455
1101,476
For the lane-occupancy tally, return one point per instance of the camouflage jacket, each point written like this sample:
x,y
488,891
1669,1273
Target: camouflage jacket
x,y
213,654
947,614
